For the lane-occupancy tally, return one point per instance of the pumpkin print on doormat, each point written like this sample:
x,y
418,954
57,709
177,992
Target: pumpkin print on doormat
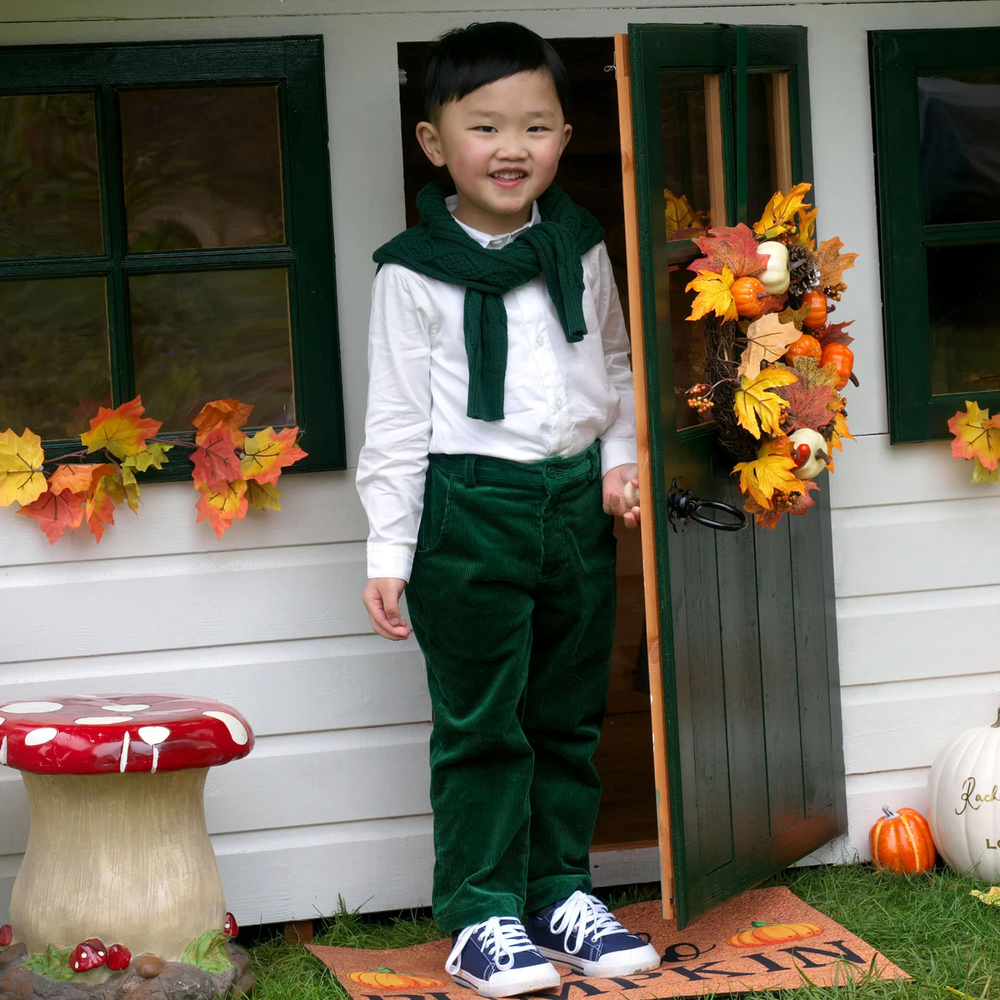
x,y
764,939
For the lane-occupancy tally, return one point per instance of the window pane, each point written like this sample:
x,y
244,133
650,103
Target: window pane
x,y
965,328
769,139
960,147
202,167
693,178
54,368
212,335
49,191
689,347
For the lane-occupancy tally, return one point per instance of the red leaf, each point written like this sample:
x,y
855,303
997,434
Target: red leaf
x,y
782,503
215,459
734,247
807,407
835,333
55,512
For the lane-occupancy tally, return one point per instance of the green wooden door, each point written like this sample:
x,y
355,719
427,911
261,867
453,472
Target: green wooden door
x,y
747,624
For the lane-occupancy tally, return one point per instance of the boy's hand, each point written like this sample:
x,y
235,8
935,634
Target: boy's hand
x,y
617,495
381,596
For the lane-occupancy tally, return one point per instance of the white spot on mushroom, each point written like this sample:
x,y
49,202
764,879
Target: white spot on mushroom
x,y
123,763
39,736
31,707
3,752
1,720
154,735
236,728
124,708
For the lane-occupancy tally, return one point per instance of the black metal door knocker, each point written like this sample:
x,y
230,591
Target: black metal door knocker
x,y
681,505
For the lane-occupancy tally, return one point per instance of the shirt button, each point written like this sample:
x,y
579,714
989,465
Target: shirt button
x,y
559,404
540,341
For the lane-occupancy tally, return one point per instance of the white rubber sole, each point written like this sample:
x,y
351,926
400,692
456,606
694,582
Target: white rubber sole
x,y
508,984
618,963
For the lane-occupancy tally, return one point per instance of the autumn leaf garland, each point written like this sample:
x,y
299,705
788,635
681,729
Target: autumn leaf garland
x,y
232,470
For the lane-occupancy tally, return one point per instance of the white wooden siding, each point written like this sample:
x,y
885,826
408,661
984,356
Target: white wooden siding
x,y
333,801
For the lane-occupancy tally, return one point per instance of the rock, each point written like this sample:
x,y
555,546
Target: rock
x,y
16,953
148,966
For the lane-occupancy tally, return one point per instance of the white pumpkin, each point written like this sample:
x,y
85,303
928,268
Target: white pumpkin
x,y
964,804
776,278
819,453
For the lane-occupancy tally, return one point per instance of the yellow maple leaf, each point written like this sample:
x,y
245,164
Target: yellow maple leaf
x,y
21,476
780,212
767,340
977,435
221,504
263,496
839,430
155,456
767,475
714,294
123,431
980,474
756,408
266,453
806,223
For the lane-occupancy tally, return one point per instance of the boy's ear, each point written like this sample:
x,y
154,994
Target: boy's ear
x,y
430,142
567,134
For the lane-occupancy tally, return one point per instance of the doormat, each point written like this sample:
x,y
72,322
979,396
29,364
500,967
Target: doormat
x,y
764,939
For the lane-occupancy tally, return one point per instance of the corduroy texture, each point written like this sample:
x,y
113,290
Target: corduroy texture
x,y
512,598
439,248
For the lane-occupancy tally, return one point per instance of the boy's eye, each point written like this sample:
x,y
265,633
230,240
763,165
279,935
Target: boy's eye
x,y
538,128
485,128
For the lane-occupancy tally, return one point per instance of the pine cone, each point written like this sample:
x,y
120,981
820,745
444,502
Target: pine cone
x,y
803,270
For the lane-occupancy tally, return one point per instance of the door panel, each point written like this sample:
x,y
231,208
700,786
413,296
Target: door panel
x,y
752,756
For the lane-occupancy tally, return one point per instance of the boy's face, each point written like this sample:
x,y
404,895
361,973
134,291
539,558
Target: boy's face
x,y
501,145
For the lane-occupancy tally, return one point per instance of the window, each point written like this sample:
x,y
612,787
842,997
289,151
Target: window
x,y
165,230
936,97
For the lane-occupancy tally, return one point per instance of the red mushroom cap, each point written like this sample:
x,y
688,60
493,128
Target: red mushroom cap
x,y
88,955
6,935
101,734
118,957
230,928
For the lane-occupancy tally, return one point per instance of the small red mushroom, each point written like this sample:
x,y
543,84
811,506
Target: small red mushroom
x,y
6,935
230,928
88,955
118,957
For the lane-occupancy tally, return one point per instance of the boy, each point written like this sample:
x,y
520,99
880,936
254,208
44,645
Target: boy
x,y
499,440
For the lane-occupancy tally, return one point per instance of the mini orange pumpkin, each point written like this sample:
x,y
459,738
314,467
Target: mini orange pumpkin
x,y
763,933
841,356
817,310
749,295
902,842
386,979
807,346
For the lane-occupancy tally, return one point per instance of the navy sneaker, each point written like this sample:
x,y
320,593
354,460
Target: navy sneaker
x,y
581,933
498,959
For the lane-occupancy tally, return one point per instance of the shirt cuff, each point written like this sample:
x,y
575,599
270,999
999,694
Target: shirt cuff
x,y
388,559
617,452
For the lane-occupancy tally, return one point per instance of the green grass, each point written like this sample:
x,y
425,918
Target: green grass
x,y
927,925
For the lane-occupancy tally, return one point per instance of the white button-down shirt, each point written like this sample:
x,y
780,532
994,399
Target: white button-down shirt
x,y
559,398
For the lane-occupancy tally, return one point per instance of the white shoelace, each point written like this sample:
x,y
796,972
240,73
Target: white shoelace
x,y
499,937
582,916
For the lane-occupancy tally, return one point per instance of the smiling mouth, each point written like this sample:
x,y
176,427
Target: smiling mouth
x,y
508,176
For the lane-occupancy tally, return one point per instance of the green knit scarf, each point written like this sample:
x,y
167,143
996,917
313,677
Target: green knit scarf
x,y
439,248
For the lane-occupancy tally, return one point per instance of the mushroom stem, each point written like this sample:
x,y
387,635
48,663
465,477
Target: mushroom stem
x,y
122,857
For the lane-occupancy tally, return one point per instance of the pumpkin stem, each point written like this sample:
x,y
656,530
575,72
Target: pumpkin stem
x,y
889,814
759,923
996,725
383,968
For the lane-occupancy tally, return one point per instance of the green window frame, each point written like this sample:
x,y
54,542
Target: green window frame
x,y
295,66
898,58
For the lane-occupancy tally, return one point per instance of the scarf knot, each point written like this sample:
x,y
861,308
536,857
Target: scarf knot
x,y
439,248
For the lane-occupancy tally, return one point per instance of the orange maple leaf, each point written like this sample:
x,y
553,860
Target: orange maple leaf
x,y
55,512
103,496
977,435
123,431
782,503
229,413
832,263
75,478
21,460
222,504
267,453
215,459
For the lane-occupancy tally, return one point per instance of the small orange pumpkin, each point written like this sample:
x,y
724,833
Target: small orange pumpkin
x,y
762,933
749,295
841,356
902,842
386,979
817,310
807,346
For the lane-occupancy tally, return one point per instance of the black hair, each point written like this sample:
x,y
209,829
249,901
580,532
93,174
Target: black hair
x,y
465,59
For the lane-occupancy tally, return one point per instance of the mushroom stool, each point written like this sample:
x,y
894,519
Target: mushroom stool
x,y
118,848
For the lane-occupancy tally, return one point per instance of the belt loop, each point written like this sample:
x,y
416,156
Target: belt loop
x,y
595,460
470,471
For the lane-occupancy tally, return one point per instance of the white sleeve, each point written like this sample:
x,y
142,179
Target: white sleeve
x,y
393,462
618,441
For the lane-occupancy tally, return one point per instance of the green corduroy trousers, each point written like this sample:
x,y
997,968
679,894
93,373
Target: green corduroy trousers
x,y
512,599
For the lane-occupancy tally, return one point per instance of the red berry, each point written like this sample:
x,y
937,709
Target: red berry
x,y
118,957
6,935
230,928
88,955
800,455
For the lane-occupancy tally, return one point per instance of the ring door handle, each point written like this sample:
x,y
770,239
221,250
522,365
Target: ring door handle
x,y
682,506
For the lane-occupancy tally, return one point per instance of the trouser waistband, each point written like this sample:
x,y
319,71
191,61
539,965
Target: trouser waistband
x,y
490,471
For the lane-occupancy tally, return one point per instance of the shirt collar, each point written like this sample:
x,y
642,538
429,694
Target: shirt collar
x,y
488,240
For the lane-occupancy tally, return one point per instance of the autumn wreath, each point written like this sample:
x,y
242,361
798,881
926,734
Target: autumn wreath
x,y
775,364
